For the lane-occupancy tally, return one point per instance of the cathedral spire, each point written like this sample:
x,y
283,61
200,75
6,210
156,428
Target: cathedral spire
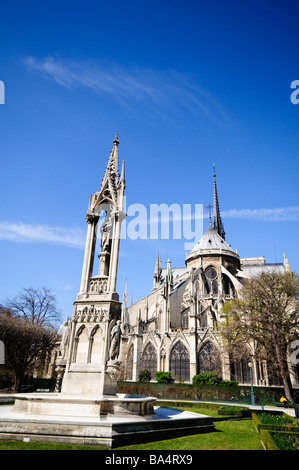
x,y
158,264
111,177
217,222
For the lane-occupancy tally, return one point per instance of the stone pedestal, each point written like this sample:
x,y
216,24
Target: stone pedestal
x,y
91,380
106,421
63,405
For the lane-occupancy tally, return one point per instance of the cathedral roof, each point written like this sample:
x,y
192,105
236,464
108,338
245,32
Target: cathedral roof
x,y
211,242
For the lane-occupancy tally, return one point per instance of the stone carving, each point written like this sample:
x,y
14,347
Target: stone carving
x,y
113,372
106,231
115,336
91,315
65,338
97,285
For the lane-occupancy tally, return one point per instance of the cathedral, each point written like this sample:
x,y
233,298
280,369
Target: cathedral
x,y
173,328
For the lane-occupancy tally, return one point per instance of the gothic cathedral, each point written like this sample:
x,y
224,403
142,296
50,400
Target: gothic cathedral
x,y
173,328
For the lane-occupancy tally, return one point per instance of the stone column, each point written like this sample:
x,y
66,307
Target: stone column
x,y
89,253
115,251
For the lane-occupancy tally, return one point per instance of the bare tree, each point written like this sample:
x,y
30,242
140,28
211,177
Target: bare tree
x,y
24,342
267,316
36,306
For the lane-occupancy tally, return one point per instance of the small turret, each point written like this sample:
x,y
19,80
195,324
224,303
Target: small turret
x,y
157,273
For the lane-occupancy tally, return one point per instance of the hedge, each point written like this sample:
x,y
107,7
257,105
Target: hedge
x,y
291,426
285,435
285,440
267,440
236,411
180,391
237,393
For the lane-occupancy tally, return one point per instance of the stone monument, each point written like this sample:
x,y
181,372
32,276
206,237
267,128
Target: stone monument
x,y
92,365
88,409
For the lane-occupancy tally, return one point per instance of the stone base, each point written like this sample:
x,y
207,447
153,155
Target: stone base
x,y
109,422
88,406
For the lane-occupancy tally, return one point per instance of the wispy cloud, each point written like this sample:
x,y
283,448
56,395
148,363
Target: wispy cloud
x,y
279,214
75,237
159,92
20,232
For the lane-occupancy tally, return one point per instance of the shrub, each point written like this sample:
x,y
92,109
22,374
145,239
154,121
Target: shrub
x,y
207,378
230,383
164,377
144,375
236,411
268,441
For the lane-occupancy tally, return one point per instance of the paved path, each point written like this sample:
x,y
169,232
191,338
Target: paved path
x,y
289,411
4,409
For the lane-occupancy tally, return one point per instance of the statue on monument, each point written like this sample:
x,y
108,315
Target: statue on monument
x,y
115,336
65,339
106,231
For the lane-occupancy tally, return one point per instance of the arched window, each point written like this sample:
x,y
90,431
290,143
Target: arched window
x,y
240,370
211,281
162,359
228,287
129,369
180,363
185,318
149,359
209,359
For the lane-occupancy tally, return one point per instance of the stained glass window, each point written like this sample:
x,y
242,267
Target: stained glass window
x,y
149,359
209,359
211,283
240,370
180,363
185,318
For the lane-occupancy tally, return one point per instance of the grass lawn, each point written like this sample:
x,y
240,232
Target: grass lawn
x,y
230,434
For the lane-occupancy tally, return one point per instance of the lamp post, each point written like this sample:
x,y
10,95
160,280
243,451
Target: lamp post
x,y
251,383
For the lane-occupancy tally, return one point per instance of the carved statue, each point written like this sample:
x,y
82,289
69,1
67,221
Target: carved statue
x,y
106,230
65,338
115,341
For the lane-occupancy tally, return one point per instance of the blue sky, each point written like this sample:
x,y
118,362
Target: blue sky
x,y
185,84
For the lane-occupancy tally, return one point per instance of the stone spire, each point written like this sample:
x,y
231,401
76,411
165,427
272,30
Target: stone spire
x,y
217,222
157,272
110,179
